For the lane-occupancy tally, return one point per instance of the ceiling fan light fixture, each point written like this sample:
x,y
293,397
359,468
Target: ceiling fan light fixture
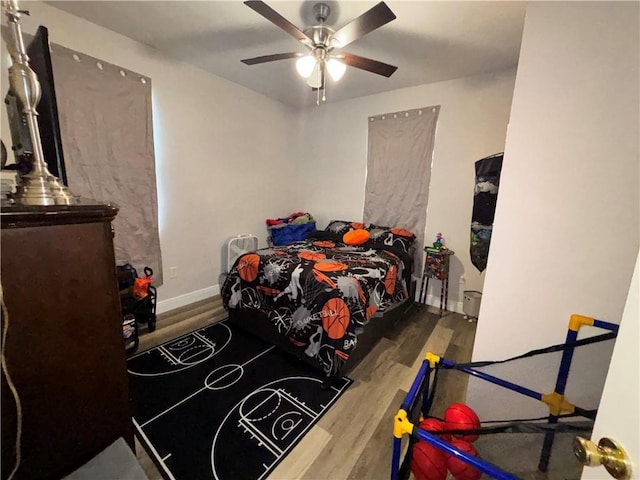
x,y
336,69
305,66
315,79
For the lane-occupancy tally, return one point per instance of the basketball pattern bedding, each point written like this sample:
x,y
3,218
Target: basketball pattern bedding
x,y
319,293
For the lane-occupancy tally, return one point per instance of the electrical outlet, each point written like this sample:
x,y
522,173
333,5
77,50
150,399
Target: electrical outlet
x,y
173,272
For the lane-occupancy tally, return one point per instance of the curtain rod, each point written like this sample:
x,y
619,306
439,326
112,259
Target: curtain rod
x,y
404,113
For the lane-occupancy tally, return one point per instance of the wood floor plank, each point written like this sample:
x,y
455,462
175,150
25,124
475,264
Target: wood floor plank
x,y
303,455
451,388
352,423
146,463
437,344
413,337
375,459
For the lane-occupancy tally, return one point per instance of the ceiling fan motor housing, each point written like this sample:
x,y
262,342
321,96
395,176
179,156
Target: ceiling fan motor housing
x,y
321,36
321,12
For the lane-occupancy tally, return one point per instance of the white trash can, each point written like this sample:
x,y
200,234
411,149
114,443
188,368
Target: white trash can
x,y
471,305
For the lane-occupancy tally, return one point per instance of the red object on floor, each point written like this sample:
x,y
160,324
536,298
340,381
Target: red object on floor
x,y
460,469
433,425
458,416
428,462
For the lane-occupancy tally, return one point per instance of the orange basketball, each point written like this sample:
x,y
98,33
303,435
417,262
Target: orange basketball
x,y
428,463
357,225
330,266
371,309
459,416
322,278
402,232
460,469
335,318
313,256
248,267
324,243
433,425
390,279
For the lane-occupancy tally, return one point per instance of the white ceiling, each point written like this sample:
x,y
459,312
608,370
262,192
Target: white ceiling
x,y
429,41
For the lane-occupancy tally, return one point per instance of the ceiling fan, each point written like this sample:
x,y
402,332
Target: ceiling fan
x,y
322,40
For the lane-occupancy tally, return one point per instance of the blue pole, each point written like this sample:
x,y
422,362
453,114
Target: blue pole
x,y
424,408
408,401
561,384
502,383
606,325
475,462
395,461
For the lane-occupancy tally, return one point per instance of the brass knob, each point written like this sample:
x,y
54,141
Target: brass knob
x,y
607,453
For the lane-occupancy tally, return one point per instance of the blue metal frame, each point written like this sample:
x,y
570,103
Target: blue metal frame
x,y
561,383
421,382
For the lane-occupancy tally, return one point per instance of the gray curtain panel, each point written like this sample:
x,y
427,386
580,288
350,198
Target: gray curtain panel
x,y
400,149
107,137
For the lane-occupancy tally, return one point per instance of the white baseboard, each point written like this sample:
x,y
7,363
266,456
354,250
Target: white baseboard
x,y
187,299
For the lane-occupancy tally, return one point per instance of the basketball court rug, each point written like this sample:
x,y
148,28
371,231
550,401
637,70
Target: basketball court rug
x,y
219,403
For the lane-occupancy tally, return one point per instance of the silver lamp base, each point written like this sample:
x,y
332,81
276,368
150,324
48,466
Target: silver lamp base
x,y
42,190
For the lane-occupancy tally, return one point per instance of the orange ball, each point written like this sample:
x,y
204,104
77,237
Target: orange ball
x,y
433,425
460,469
428,462
460,417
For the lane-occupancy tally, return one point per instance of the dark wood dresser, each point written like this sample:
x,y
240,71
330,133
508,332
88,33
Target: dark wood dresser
x,y
64,349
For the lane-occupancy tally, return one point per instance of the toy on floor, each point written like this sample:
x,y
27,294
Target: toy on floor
x,y
459,469
458,416
428,462
434,426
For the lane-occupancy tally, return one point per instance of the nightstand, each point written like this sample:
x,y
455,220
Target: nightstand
x,y
436,265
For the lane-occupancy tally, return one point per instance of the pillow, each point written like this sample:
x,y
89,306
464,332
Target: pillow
x,y
391,236
342,226
356,237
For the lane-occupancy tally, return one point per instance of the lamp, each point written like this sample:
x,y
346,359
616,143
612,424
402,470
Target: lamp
x,y
311,67
305,66
314,79
38,187
336,69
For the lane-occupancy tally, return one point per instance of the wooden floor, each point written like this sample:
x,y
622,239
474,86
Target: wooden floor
x,y
353,440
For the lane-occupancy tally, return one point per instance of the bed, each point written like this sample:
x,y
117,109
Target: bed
x,y
322,299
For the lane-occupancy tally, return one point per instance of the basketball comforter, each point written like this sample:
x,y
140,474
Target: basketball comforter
x,y
319,294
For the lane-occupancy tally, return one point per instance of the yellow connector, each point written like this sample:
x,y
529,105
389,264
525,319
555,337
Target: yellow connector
x,y
576,321
432,358
557,404
401,424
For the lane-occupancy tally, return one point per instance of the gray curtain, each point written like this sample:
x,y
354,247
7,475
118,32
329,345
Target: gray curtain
x,y
107,137
399,155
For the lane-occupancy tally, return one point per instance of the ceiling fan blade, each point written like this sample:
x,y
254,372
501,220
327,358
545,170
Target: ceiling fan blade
x,y
365,23
270,58
367,64
274,17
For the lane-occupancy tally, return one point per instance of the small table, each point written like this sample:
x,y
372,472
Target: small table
x,y
436,265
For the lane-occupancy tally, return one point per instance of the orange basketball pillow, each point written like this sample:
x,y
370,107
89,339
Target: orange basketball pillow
x,y
355,237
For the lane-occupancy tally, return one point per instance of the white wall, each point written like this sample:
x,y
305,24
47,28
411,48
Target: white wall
x,y
567,221
223,152
472,124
